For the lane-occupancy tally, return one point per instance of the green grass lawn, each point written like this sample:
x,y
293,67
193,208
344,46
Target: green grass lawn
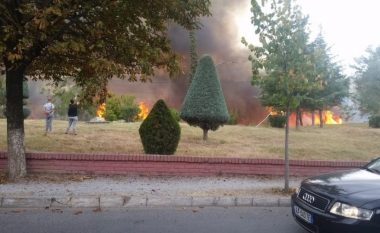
x,y
334,142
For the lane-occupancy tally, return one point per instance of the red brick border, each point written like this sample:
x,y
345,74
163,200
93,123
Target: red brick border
x,y
171,165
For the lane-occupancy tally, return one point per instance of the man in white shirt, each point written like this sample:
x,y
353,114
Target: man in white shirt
x,y
49,113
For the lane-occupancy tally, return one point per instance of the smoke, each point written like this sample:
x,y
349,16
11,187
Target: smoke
x,y
218,37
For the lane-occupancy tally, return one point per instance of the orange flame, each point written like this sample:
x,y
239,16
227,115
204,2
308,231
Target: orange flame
x,y
100,110
143,111
331,119
328,118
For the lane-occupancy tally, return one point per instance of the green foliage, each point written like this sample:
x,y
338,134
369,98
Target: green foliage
x,y
332,86
110,115
233,119
26,112
175,114
204,105
68,38
160,132
277,121
116,107
281,65
367,82
374,122
130,113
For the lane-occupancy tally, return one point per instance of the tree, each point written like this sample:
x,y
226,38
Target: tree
x,y
160,132
204,104
333,85
117,108
367,82
281,64
89,40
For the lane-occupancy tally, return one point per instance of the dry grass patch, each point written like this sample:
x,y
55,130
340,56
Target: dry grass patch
x,y
334,142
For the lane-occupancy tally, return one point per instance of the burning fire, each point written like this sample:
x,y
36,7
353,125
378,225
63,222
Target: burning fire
x,y
328,118
101,109
143,111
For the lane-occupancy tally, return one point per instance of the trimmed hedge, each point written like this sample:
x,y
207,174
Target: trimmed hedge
x,y
160,132
204,105
374,122
277,121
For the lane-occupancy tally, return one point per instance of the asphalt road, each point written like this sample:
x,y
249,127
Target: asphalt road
x,y
146,220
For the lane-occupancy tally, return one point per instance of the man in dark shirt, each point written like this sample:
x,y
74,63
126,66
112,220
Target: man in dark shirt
x,y
72,114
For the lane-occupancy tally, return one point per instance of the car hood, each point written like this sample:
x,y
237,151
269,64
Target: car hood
x,y
356,186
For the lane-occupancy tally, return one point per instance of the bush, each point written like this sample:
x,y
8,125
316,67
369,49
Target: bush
x,y
116,104
160,132
130,113
109,115
233,119
26,112
175,114
25,94
374,122
277,121
204,105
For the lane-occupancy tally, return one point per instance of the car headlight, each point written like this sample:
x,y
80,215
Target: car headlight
x,y
351,211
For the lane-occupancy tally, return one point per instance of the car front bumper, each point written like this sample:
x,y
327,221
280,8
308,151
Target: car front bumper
x,y
324,222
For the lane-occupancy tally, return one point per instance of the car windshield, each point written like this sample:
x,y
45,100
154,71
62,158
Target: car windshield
x,y
374,166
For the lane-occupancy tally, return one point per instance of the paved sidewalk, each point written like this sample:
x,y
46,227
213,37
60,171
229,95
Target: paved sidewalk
x,y
125,191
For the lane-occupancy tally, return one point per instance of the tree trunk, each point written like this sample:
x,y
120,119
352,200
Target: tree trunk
x,y
300,118
297,118
205,134
15,122
320,118
286,188
312,118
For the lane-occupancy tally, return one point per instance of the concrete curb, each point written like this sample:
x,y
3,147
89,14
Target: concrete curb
x,y
116,201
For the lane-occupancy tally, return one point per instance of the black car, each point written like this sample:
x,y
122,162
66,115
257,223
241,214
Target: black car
x,y
341,202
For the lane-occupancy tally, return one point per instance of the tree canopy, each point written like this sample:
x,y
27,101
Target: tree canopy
x,y
331,86
204,104
367,82
93,38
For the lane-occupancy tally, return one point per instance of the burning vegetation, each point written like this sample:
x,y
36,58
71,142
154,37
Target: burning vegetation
x,y
100,110
144,111
328,118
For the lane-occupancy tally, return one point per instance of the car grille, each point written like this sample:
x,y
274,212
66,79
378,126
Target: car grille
x,y
313,199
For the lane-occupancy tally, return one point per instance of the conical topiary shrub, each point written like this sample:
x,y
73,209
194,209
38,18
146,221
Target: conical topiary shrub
x,y
160,132
204,105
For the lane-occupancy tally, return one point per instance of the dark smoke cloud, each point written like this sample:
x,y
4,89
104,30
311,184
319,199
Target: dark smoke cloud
x,y
218,38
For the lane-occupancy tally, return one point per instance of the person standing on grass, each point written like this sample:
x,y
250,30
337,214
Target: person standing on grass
x,y
72,114
49,114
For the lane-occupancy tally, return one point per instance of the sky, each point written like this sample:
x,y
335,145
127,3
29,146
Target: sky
x,y
348,26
